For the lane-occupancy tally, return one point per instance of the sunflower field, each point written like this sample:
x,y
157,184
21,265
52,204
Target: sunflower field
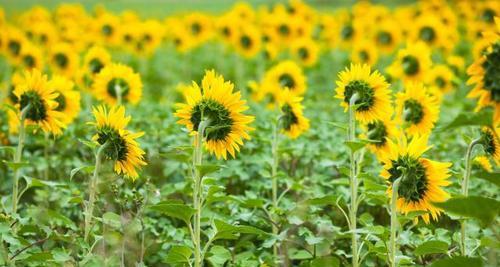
x,y
260,133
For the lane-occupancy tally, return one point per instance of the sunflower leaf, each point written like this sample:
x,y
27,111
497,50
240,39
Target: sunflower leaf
x,y
458,261
178,254
468,207
490,177
355,145
178,211
207,169
431,247
484,117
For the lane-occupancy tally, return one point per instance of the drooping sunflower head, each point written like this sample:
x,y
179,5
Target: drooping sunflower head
x,y
117,80
216,103
370,90
416,109
379,131
412,63
120,144
421,179
292,121
68,100
490,142
286,74
482,163
39,99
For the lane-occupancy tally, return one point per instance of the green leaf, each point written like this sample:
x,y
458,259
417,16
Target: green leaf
x,y
342,126
458,261
179,211
325,261
206,169
229,231
15,165
431,247
321,201
219,255
88,143
178,254
40,256
470,118
492,177
299,254
112,219
74,171
484,209
10,149
34,182
355,145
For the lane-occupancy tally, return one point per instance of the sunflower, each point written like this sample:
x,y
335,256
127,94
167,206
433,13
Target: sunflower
x,y
416,109
387,36
365,52
456,63
14,42
106,28
227,27
485,75
150,33
199,27
441,77
373,95
306,51
379,131
94,61
44,34
286,74
35,92
31,57
421,179
490,142
482,163
262,92
431,30
64,59
121,146
215,101
68,99
116,81
293,122
247,41
412,63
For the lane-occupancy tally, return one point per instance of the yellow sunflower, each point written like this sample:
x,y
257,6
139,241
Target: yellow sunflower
x,y
416,109
121,146
216,102
64,60
422,180
14,42
94,61
306,51
379,131
364,52
34,92
482,163
430,29
490,142
31,57
412,63
117,83
292,120
264,93
373,95
286,74
199,27
68,99
270,51
227,27
485,75
247,41
441,77
107,28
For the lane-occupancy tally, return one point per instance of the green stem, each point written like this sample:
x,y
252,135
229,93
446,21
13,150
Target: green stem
x,y
46,156
118,91
18,157
274,172
465,191
197,191
353,184
89,208
394,222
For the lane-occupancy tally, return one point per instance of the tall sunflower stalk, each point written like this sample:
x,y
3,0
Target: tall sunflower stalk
x,y
274,173
18,157
353,182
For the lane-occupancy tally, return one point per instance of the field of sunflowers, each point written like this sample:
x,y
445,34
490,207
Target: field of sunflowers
x,y
280,133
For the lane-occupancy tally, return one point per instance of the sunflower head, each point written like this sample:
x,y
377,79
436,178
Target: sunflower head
x,y
292,120
490,142
482,163
412,62
117,80
417,109
286,74
68,100
216,103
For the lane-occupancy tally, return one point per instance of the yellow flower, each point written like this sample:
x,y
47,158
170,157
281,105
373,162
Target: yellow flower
x,y
107,28
94,61
31,57
429,29
34,91
412,63
373,95
490,142
387,36
117,81
292,121
364,51
199,27
483,163
64,59
286,74
441,77
247,41
422,180
68,99
14,41
306,51
416,109
379,131
121,146
216,102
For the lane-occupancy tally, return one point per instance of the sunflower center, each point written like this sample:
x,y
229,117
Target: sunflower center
x,y
366,95
44,38
377,132
491,68
29,61
488,142
364,56
61,101
61,60
95,66
12,96
284,30
219,116
488,15
245,41
384,38
107,30
117,84
410,65
440,82
195,28
127,38
286,80
226,32
413,185
116,146
303,53
413,111
347,32
37,111
289,118
14,47
427,34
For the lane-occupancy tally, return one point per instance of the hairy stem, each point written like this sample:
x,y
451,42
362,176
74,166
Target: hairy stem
x,y
394,222
353,184
18,157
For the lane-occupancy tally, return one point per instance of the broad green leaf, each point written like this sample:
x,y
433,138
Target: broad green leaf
x,y
206,169
178,254
229,231
74,171
321,201
355,145
470,118
492,177
179,211
15,165
471,207
219,255
10,149
34,182
177,155
40,256
325,261
458,261
112,219
431,247
299,254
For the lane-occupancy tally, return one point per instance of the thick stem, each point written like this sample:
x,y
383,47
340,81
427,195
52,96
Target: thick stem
x,y
353,184
18,157
465,191
274,172
394,222
89,208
